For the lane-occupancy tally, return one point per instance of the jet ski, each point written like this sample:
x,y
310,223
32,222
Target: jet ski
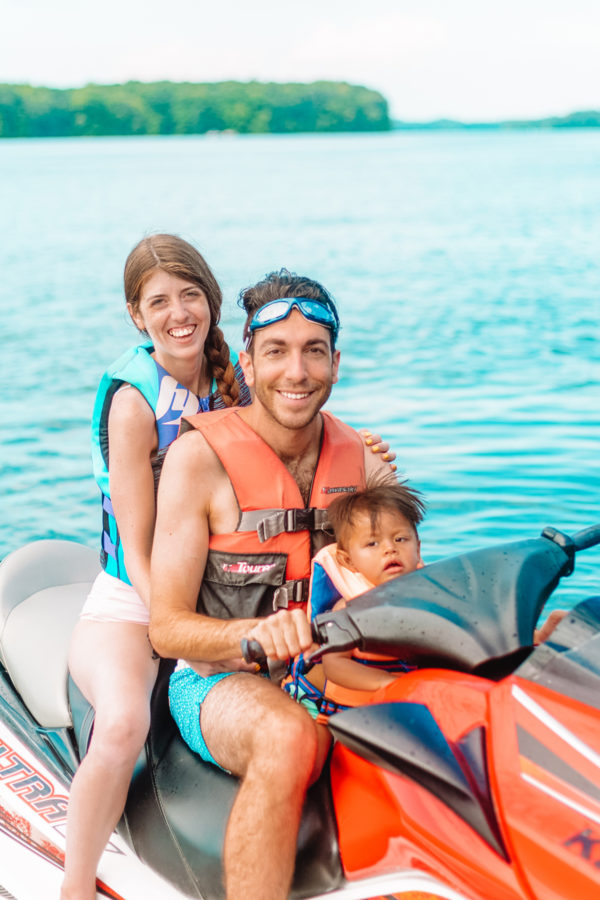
x,y
476,776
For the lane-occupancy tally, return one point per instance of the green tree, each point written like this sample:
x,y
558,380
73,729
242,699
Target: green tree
x,y
186,108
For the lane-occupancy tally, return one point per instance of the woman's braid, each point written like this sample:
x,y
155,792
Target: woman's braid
x,y
217,353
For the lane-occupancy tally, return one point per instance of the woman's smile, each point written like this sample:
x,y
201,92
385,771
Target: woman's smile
x,y
182,331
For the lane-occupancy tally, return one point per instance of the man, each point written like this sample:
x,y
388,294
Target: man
x,y
240,497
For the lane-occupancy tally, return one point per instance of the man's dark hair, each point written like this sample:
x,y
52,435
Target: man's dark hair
x,y
278,285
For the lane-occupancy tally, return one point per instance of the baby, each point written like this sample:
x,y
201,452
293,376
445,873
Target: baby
x,y
377,540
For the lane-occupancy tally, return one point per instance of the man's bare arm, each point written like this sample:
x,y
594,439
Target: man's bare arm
x,y
192,479
179,555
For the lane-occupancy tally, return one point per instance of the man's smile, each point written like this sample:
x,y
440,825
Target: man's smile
x,y
295,395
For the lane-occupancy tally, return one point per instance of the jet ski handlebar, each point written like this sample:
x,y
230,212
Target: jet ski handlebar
x,y
337,633
588,537
459,613
253,652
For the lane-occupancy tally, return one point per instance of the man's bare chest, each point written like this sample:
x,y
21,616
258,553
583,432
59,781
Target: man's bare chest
x,y
302,471
224,514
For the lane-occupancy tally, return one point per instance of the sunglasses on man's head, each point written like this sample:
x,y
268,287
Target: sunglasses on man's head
x,y
313,310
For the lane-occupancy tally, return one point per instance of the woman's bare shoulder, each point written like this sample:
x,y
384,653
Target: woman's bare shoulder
x,y
129,402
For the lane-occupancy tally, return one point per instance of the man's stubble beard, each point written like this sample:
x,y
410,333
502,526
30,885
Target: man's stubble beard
x,y
292,422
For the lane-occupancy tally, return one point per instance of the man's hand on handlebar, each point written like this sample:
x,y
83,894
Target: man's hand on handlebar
x,y
283,635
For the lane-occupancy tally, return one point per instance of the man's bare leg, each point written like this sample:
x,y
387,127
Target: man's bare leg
x,y
258,732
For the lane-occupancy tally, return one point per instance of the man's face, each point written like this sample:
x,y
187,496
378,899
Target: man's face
x,y
291,369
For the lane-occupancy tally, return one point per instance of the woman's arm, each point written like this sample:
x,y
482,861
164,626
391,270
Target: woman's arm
x,y
378,470
378,445
132,440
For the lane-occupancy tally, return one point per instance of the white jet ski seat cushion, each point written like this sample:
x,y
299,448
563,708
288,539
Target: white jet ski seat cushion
x,y
42,589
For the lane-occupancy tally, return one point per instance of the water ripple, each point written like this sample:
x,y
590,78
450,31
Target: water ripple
x,y
466,270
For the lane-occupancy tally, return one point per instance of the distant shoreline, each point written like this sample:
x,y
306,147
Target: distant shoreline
x,y
585,119
162,108
227,107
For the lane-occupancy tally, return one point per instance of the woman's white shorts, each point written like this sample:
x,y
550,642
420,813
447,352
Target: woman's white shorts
x,y
111,600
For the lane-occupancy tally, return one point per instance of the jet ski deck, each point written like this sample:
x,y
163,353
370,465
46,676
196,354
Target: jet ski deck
x,y
474,777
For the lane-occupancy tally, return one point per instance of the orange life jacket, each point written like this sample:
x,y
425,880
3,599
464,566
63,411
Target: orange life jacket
x,y
332,584
265,563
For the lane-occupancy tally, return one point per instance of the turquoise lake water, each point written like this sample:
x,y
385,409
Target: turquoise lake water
x,y
467,271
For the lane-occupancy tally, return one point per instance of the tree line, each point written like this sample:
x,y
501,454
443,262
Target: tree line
x,y
185,108
583,119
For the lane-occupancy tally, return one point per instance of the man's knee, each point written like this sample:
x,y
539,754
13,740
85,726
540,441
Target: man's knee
x,y
288,741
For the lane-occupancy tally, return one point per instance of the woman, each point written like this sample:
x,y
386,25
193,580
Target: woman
x,y
186,367
174,299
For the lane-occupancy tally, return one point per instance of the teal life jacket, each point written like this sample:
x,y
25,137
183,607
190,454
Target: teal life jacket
x,y
169,401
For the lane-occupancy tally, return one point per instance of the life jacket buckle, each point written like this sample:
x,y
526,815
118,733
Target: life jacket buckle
x,y
290,521
291,592
299,519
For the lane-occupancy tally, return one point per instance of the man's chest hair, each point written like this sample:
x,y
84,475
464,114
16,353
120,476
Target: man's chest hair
x,y
302,471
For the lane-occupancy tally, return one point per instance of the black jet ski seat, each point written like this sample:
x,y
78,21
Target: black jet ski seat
x,y
43,586
178,806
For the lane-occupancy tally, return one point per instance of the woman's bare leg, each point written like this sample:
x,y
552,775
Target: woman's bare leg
x,y
112,665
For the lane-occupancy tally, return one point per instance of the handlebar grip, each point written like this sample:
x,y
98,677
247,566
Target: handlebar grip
x,y
333,631
253,652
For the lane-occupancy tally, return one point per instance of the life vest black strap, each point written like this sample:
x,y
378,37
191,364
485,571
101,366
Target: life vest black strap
x,y
269,523
291,592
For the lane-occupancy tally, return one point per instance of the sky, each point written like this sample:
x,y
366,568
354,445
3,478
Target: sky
x,y
473,60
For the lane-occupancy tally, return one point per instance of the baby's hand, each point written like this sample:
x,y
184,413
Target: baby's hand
x,y
307,655
555,618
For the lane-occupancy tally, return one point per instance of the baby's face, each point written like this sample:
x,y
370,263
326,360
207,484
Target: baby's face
x,y
384,552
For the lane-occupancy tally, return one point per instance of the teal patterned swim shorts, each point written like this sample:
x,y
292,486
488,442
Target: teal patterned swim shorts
x,y
187,691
